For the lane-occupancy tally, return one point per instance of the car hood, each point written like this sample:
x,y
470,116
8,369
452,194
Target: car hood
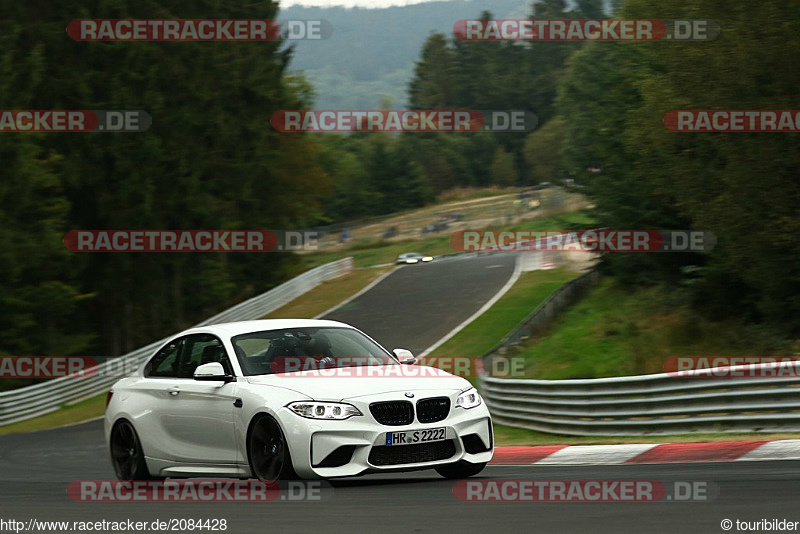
x,y
351,382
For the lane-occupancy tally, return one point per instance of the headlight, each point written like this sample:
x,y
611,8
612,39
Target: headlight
x,y
469,399
324,410
427,258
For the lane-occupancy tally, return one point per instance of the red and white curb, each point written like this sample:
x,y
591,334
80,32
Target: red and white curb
x,y
648,453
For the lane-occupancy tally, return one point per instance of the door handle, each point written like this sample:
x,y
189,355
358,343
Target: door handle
x,y
174,390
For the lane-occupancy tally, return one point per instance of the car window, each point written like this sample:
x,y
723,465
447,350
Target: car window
x,y
342,344
199,349
253,347
165,363
266,352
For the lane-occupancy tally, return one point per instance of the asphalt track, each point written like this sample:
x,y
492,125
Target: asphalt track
x,y
35,469
417,305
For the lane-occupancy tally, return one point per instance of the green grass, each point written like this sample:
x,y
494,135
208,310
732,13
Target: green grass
x,y
492,326
615,332
326,295
76,413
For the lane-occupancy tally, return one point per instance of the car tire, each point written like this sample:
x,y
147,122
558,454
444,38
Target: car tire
x,y
127,455
462,469
268,452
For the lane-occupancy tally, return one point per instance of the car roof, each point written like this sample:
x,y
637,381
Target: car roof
x,y
246,327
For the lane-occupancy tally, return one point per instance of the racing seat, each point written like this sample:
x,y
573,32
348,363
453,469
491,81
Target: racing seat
x,y
318,346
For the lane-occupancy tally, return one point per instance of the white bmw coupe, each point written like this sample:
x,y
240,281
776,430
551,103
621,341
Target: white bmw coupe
x,y
278,399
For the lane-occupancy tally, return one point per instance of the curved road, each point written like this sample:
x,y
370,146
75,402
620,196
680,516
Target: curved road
x,y
417,305
428,301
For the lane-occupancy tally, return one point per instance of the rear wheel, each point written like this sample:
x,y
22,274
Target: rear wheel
x,y
127,454
462,469
268,451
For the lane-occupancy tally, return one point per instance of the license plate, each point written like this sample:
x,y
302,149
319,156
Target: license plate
x,y
415,436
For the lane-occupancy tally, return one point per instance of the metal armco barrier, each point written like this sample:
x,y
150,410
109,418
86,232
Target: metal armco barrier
x,y
546,311
647,404
694,401
39,399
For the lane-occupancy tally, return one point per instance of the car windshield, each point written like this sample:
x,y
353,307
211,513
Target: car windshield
x,y
300,349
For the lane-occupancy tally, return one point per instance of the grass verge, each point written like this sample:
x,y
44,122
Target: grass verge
x,y
613,332
76,413
327,295
617,332
492,326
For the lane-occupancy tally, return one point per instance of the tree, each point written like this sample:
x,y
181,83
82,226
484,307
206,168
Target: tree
x,y
503,171
741,187
433,84
209,161
543,151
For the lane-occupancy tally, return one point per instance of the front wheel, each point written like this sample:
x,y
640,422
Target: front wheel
x,y
268,451
462,469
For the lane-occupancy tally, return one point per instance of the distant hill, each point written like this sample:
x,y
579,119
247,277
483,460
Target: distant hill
x,y
372,52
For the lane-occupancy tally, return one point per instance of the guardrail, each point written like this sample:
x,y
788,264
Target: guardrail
x,y
648,404
666,403
39,399
545,312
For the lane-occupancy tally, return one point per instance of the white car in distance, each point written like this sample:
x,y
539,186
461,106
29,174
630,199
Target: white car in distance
x,y
291,398
412,258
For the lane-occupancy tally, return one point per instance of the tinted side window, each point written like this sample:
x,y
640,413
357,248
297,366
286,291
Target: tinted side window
x,y
165,363
200,349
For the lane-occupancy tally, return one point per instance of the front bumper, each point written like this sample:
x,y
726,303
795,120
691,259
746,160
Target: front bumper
x,y
356,446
